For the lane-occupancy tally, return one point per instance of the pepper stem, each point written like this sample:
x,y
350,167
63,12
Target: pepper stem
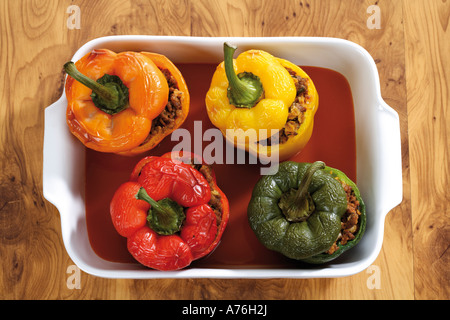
x,y
297,204
244,89
165,216
109,94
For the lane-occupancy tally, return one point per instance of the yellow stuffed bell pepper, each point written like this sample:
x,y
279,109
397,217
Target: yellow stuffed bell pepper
x,y
262,104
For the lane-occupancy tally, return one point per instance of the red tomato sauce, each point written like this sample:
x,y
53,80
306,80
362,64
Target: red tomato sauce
x,y
332,141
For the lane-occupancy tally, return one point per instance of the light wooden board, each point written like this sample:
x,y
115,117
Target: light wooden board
x,y
411,51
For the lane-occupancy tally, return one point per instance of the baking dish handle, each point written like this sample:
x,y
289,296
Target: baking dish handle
x,y
50,164
391,161
59,152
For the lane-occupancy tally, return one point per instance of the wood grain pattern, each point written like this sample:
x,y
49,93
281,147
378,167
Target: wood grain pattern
x,y
427,51
411,52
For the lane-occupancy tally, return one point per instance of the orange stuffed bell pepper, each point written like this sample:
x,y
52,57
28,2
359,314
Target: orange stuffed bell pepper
x,y
170,212
265,95
125,102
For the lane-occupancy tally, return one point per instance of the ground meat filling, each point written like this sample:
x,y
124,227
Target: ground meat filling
x,y
216,199
349,221
297,110
173,110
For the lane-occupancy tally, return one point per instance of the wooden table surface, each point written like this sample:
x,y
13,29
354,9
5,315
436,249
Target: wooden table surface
x,y
410,45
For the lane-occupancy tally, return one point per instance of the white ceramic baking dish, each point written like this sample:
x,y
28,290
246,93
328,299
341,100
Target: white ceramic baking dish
x,y
379,169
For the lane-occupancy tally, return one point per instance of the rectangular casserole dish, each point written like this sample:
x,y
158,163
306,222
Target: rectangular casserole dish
x,y
378,145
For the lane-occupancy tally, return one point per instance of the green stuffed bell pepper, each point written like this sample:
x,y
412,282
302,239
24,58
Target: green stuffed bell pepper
x,y
307,212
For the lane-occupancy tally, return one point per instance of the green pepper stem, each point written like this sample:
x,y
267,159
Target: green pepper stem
x,y
297,205
165,216
143,195
307,178
245,89
108,93
103,91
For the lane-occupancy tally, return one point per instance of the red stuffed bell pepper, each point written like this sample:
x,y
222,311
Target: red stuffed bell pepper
x,y
171,211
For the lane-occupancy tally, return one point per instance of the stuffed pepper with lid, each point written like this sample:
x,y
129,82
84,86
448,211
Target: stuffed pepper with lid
x,y
266,95
171,211
308,212
125,102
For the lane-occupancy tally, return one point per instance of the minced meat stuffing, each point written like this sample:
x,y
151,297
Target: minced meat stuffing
x,y
349,221
173,109
297,110
216,199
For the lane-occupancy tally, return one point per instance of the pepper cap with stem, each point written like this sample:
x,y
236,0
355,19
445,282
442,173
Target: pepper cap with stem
x,y
297,204
109,94
245,89
165,216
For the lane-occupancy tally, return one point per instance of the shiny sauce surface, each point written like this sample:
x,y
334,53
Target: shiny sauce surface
x,y
332,141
